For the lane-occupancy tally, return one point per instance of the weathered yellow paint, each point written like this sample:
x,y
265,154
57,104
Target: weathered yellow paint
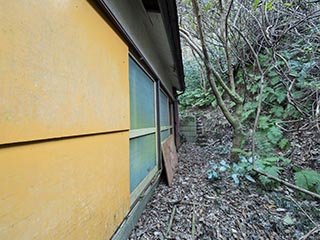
x,y
68,189
63,71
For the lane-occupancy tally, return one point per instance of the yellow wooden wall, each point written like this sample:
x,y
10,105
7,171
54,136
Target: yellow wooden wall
x,y
64,82
63,71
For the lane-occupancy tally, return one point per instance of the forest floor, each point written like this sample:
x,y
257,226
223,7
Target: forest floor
x,y
196,208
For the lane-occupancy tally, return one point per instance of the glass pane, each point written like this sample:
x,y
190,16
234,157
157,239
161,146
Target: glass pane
x,y
142,158
164,110
165,134
142,113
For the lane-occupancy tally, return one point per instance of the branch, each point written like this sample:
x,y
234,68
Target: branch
x,y
170,222
233,95
210,70
294,187
312,231
186,36
226,47
260,93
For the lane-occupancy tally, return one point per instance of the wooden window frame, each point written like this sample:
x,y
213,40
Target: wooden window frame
x,y
135,133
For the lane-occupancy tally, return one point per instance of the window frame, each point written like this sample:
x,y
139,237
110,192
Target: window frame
x,y
135,133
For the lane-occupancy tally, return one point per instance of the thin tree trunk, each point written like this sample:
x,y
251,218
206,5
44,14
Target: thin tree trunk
x,y
236,143
238,135
234,121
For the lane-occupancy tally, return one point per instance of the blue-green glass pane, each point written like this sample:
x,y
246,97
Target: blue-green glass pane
x,y
142,158
142,113
165,134
164,110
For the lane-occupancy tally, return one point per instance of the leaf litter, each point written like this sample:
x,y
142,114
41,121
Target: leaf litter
x,y
196,208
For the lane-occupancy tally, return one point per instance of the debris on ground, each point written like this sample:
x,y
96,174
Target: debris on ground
x,y
196,208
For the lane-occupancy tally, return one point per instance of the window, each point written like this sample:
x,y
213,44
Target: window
x,y
164,116
143,150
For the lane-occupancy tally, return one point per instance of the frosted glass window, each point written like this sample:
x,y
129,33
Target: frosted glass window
x,y
142,106
142,115
164,110
165,134
142,158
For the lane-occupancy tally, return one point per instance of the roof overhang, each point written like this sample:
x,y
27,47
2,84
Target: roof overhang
x,y
150,28
168,9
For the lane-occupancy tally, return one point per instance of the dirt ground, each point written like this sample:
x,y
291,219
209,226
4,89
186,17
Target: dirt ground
x,y
196,208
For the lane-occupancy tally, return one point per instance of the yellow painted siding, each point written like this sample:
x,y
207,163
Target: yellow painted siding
x,y
69,189
63,71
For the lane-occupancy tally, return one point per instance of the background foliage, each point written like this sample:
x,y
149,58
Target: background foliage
x,y
285,37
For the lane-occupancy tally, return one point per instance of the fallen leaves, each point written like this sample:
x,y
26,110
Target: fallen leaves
x,y
222,210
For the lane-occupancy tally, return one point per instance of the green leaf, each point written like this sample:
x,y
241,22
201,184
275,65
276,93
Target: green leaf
x,y
277,111
284,143
274,134
318,189
308,179
208,6
222,169
273,171
247,114
288,220
285,161
281,96
264,122
255,4
249,178
264,180
213,175
269,161
275,80
269,5
301,180
235,178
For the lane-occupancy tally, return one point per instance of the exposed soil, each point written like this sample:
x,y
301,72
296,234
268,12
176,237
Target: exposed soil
x,y
201,209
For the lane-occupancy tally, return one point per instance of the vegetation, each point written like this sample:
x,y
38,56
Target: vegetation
x,y
261,61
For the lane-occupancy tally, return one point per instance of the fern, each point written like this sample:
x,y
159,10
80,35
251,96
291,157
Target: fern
x,y
269,166
284,144
274,134
277,111
273,171
308,179
270,170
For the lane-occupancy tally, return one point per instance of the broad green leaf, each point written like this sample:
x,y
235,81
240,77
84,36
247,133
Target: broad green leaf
x,y
288,220
249,178
235,178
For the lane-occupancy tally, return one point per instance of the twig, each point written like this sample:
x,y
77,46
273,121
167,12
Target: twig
x,y
193,229
294,187
170,222
261,90
196,204
305,213
312,231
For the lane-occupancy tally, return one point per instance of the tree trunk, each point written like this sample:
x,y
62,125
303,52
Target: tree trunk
x,y
236,143
238,134
234,120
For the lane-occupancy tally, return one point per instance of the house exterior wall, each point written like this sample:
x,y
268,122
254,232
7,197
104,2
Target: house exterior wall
x,y
61,67
64,122
67,189
136,22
